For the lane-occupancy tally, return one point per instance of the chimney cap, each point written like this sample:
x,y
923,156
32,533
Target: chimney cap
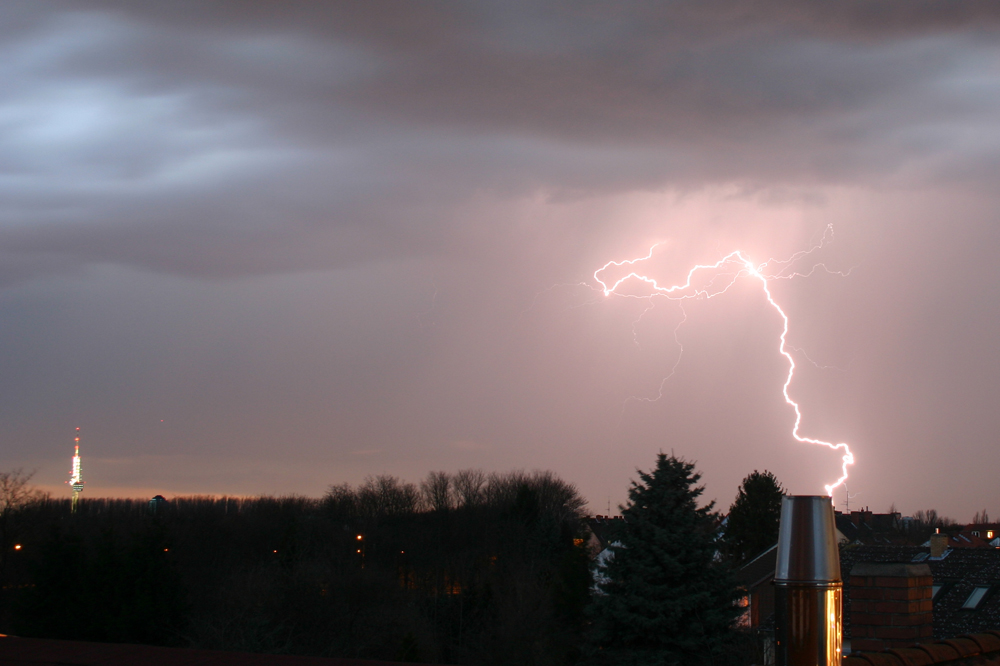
x,y
807,541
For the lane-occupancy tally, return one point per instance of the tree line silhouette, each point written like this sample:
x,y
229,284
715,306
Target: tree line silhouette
x,y
469,568
465,568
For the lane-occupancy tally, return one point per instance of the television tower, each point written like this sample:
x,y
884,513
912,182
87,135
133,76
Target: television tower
x,y
76,474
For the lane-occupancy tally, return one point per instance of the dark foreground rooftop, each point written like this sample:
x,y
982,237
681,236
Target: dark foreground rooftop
x,y
42,652
972,650
957,574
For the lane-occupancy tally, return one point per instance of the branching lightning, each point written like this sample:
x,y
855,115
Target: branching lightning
x,y
724,274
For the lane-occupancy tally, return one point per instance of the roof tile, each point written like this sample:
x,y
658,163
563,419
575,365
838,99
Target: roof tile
x,y
876,659
912,656
987,642
964,646
939,652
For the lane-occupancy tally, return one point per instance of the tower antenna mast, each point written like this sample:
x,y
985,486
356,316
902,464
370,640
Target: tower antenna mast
x,y
76,474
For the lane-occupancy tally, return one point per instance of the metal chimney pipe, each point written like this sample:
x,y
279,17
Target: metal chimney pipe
x,y
808,588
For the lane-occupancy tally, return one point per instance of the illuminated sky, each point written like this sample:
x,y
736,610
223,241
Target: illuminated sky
x,y
258,247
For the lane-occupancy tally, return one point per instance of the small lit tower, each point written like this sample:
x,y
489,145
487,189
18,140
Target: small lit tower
x,y
76,474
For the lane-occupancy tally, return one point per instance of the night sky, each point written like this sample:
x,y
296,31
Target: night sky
x,y
265,247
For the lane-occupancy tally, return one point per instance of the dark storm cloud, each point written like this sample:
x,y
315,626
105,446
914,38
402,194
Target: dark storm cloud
x,y
236,138
334,227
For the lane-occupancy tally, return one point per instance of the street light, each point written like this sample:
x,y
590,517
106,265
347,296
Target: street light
x,y
361,550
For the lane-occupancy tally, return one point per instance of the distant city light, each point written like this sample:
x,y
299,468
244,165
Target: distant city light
x,y
17,546
359,537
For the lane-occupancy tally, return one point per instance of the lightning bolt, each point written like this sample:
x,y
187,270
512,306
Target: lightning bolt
x,y
724,274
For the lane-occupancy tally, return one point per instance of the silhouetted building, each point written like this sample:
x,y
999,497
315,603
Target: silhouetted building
x,y
866,527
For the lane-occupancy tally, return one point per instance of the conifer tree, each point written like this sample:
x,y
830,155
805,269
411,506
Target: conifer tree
x,y
752,526
664,597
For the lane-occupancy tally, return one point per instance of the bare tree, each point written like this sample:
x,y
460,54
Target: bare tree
x,y
437,491
342,501
15,495
501,488
927,519
468,486
981,518
385,495
557,497
926,522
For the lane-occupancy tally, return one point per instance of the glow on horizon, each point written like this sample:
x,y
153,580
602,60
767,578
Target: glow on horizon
x,y
739,266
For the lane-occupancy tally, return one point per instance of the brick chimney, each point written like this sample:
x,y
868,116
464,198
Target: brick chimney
x,y
939,544
891,605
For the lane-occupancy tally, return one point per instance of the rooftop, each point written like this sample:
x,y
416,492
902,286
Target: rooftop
x,y
971,650
957,575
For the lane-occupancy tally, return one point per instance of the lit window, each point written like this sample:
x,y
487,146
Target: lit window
x,y
744,619
989,534
974,598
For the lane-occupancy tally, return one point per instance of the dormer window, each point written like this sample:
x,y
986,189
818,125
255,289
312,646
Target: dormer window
x,y
975,533
975,598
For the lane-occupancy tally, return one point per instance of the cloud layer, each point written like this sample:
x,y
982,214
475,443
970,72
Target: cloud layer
x,y
294,232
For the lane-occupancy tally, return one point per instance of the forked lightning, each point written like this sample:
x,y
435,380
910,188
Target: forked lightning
x,y
731,268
